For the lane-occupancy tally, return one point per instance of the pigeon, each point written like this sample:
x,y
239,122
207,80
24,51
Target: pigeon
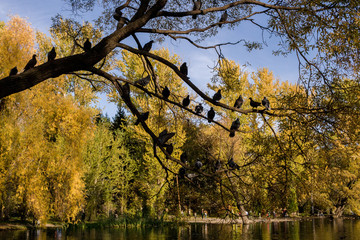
x,y
13,71
217,96
143,81
182,172
184,69
164,136
217,165
198,164
184,157
169,148
143,117
87,45
254,104
239,102
265,102
197,6
223,18
211,115
165,92
233,164
51,54
186,101
148,46
31,63
199,108
234,127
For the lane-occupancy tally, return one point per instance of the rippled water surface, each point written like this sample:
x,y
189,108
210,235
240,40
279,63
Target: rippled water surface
x,y
311,229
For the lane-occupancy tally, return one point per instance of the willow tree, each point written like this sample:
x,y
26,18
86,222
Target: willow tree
x,y
323,34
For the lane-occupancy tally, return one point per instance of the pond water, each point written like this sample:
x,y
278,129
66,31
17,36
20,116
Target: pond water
x,y
306,229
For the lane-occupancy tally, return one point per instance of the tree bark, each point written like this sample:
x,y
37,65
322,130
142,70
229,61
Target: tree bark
x,y
83,61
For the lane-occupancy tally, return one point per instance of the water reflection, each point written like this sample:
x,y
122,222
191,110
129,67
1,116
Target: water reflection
x,y
315,229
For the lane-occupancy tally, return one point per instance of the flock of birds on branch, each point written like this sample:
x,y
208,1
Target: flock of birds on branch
x,y
199,108
164,136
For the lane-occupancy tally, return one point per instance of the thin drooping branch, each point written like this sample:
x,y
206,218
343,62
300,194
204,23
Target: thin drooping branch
x,y
291,37
166,32
178,105
199,46
88,79
187,80
135,112
227,6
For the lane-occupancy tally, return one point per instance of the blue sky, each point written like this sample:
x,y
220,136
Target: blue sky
x,y
39,13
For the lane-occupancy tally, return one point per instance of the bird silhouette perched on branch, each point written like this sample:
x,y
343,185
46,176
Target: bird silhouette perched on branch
x,y
51,55
143,81
169,148
165,92
143,117
197,6
239,102
211,115
234,127
217,96
31,63
147,47
233,164
184,157
266,103
254,104
13,71
186,101
198,164
164,136
87,45
223,18
184,69
199,108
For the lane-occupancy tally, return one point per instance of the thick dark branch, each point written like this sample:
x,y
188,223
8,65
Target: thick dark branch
x,y
142,9
83,61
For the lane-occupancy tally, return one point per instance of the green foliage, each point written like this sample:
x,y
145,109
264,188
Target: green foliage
x,y
110,172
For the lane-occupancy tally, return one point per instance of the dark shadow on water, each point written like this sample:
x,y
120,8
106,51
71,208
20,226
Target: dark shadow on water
x,y
312,229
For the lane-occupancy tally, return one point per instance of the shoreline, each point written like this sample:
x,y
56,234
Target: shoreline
x,y
212,220
5,226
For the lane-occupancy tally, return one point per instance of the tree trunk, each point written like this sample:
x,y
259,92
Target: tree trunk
x,y
178,192
244,217
338,212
